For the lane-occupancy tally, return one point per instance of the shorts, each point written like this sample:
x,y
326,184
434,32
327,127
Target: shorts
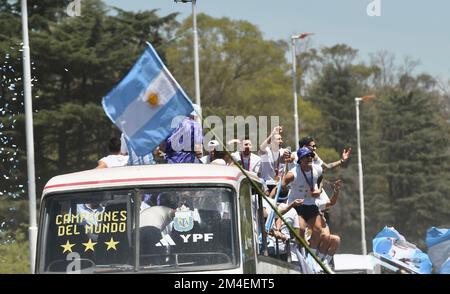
x,y
307,211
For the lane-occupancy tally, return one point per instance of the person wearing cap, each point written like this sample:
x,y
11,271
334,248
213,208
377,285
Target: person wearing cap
x,y
303,180
212,148
184,144
248,160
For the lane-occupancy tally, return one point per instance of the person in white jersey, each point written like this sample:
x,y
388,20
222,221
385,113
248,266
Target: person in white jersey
x,y
328,242
115,158
273,158
303,180
248,160
212,149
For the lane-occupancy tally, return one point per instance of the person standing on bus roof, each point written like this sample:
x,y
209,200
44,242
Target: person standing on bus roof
x,y
115,158
212,149
311,144
273,158
184,144
303,180
248,160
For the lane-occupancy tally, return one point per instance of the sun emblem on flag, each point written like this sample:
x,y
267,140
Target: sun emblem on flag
x,y
152,99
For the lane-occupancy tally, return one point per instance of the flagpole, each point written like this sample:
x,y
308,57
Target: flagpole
x,y
32,230
196,58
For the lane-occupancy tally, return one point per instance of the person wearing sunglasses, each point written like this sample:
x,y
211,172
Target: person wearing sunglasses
x,y
311,144
303,179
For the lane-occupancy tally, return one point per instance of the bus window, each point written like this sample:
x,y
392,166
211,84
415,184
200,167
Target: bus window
x,y
86,229
189,229
180,229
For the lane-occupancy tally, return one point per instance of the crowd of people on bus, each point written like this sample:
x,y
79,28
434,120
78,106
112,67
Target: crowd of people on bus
x,y
302,198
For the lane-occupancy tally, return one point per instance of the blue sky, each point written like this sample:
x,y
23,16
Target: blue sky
x,y
417,28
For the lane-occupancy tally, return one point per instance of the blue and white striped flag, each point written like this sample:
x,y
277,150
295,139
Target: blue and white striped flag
x,y
145,102
438,243
390,244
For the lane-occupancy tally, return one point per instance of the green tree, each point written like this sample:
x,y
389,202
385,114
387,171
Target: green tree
x,y
14,256
77,61
413,160
241,73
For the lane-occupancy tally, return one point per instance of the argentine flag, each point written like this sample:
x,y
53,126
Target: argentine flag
x,y
390,244
145,102
438,243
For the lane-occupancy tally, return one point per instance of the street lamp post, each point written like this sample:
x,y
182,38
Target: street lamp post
x,y
196,58
32,230
360,172
294,82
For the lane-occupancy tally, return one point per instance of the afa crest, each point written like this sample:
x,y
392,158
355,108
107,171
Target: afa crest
x,y
183,220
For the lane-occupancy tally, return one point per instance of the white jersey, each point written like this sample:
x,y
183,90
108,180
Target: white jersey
x,y
272,163
300,187
255,161
115,160
322,200
317,162
206,159
156,216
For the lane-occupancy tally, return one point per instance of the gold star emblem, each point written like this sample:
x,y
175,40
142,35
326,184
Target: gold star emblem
x,y
152,99
111,244
67,247
89,245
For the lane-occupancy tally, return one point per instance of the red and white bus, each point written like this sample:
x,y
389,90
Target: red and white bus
x,y
164,218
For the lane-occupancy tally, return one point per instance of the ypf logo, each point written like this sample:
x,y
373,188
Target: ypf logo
x,y
374,8
74,8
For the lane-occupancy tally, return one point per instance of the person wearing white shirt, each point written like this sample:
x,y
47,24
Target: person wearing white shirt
x,y
212,148
115,158
311,144
303,180
248,160
273,158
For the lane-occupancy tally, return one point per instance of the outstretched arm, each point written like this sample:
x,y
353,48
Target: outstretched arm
x,y
345,158
276,130
337,188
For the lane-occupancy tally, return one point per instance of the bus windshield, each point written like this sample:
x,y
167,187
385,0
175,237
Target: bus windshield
x,y
180,229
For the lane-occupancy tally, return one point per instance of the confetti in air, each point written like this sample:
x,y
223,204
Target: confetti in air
x,y
12,186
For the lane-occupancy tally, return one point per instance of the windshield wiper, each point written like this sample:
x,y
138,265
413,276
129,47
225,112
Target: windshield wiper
x,y
111,268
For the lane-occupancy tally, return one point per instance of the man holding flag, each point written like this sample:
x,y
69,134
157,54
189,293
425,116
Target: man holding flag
x,y
184,145
145,102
